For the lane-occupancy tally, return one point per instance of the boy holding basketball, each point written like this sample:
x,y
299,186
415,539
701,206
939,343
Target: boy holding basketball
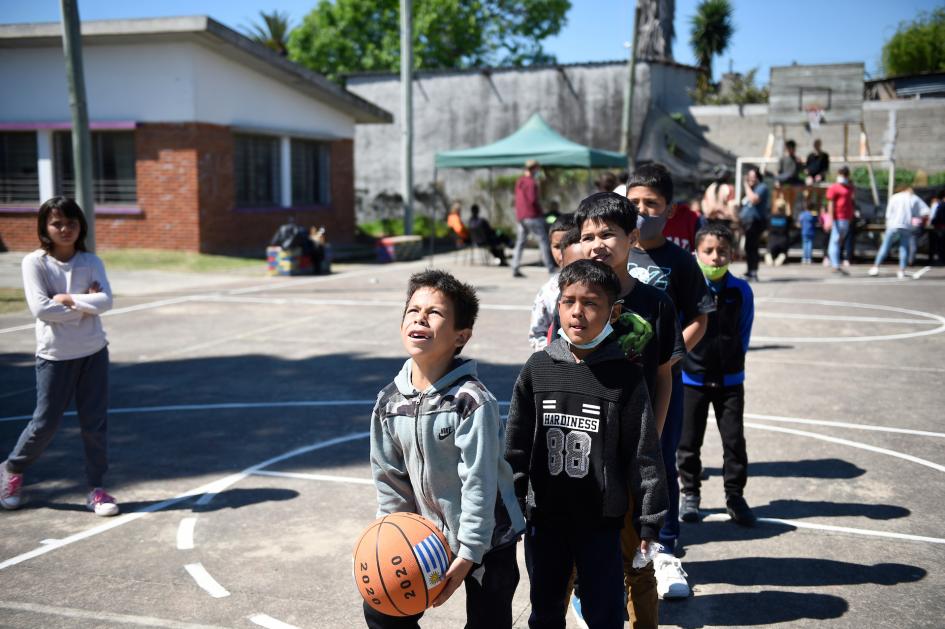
x,y
436,450
582,439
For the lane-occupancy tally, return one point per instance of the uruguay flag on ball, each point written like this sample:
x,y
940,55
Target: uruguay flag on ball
x,y
433,560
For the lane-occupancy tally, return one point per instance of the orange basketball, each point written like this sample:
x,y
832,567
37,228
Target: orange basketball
x,y
399,564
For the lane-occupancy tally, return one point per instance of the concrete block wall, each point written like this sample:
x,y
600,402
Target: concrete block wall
x,y
919,127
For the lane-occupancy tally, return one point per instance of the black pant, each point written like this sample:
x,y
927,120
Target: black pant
x,y
488,604
937,246
729,406
752,242
553,551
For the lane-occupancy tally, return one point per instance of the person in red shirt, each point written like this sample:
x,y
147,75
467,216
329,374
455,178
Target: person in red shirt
x,y
530,219
840,207
681,226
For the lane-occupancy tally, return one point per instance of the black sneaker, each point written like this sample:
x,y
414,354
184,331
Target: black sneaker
x,y
517,273
689,508
739,511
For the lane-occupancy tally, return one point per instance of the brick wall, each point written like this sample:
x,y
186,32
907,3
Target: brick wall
x,y
246,231
186,197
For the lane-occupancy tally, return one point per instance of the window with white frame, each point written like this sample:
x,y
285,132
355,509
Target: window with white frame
x,y
310,181
113,166
19,170
256,170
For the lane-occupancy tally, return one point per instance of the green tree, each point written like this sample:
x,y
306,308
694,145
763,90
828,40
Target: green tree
x,y
712,29
918,46
346,36
273,32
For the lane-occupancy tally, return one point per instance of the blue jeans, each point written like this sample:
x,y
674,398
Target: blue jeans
x,y
554,550
57,382
838,235
539,229
904,234
669,442
808,245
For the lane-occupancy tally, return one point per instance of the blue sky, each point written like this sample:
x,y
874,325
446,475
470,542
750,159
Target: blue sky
x,y
767,32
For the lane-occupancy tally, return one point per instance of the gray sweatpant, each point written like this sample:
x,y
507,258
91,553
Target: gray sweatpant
x,y
57,381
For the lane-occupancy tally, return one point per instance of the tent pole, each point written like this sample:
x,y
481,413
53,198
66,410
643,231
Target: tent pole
x,y
491,196
433,215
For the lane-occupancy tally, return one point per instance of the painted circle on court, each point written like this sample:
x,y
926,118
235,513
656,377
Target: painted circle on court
x,y
933,320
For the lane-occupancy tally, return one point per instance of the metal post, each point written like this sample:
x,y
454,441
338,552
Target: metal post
x,y
406,110
626,126
81,138
865,152
436,197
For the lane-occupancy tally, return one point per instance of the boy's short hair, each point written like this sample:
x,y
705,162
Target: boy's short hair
x,y
562,224
591,273
844,170
463,296
757,171
654,176
571,237
610,207
69,209
719,230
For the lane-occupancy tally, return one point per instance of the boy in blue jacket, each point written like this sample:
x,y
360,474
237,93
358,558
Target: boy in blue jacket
x,y
436,449
713,373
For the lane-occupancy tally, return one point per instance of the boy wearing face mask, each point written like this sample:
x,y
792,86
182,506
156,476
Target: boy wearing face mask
x,y
581,439
714,373
666,266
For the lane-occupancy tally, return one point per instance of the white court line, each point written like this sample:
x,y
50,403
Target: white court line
x,y
821,422
721,517
820,363
269,622
324,477
214,487
185,534
311,301
816,317
98,617
206,581
852,444
220,406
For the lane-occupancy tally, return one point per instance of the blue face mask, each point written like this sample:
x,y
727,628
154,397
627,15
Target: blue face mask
x,y
651,227
597,340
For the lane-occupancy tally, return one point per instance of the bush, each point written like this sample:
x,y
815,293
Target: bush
x,y
395,227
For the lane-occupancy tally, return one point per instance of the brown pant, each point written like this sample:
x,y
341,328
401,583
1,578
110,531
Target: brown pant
x,y
643,604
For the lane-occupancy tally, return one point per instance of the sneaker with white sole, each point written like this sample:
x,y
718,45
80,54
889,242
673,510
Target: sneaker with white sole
x,y
689,508
900,274
670,577
10,486
101,503
873,272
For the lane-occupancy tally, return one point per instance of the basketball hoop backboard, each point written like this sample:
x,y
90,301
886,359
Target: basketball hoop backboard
x,y
834,90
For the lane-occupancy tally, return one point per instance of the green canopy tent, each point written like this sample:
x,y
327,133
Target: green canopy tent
x,y
533,140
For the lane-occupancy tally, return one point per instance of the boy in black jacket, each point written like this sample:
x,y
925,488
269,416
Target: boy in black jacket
x,y
713,373
581,437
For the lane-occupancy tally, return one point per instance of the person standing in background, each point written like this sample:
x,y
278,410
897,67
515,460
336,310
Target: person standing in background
x,y
530,221
818,163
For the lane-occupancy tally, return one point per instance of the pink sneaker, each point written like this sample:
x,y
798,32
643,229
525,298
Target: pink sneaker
x,y
101,503
10,485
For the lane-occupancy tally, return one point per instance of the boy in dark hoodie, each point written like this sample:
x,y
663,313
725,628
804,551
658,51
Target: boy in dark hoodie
x,y
436,450
581,438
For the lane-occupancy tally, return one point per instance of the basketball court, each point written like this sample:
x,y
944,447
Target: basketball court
x,y
239,418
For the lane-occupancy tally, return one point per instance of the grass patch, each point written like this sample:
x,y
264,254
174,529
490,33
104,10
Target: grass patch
x,y
12,300
185,261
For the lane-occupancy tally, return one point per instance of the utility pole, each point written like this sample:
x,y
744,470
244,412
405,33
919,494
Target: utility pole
x,y
406,110
626,126
81,138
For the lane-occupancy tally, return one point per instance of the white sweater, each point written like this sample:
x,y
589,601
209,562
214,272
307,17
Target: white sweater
x,y
64,333
902,208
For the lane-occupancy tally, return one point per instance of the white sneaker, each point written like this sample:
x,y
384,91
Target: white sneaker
x,y
10,485
780,259
101,503
670,577
900,275
768,259
874,271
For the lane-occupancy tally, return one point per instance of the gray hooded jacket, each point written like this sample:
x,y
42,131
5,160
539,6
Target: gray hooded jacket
x,y
439,453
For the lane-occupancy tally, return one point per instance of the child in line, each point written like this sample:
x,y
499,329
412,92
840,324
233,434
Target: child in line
x,y
807,221
608,233
67,291
581,437
436,449
545,304
664,265
714,373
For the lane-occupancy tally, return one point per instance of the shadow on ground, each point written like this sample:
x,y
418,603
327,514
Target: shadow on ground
x,y
745,609
808,468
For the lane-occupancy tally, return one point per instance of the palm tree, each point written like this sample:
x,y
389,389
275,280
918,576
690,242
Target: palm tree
x,y
273,33
711,30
